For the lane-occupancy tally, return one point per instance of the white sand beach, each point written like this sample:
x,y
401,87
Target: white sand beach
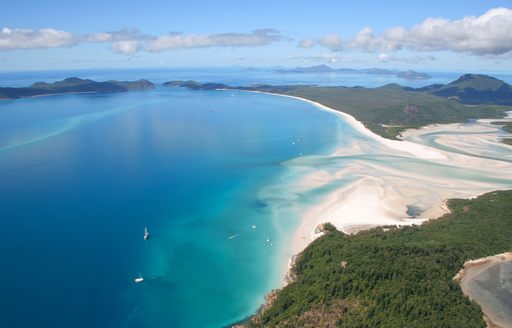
x,y
381,194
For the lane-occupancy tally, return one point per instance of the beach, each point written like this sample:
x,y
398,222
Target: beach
x,y
411,192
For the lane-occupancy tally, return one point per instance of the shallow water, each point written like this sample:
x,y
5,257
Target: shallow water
x,y
491,287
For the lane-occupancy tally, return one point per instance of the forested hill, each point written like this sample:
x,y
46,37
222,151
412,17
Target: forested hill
x,y
473,89
73,85
397,278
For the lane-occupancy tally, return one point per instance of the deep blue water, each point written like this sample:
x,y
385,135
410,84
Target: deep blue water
x,y
81,175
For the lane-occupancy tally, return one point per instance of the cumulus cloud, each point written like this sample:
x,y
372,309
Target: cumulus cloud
x,y
179,41
11,39
131,41
364,40
488,34
306,43
331,41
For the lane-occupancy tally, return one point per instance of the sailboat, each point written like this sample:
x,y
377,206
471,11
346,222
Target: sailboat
x,y
139,278
146,233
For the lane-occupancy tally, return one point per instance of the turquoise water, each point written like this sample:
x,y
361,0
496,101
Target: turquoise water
x,y
81,175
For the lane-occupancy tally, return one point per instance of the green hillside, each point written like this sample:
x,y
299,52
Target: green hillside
x,y
476,89
72,85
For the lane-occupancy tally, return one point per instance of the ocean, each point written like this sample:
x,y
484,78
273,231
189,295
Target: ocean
x,y
208,172
82,175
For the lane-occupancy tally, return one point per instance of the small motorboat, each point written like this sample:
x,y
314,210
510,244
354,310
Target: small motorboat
x,y
139,279
146,233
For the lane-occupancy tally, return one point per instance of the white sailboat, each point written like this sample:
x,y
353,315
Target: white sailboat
x,y
139,278
146,233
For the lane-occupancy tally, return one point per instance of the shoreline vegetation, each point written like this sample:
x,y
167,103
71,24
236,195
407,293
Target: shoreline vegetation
x,y
393,277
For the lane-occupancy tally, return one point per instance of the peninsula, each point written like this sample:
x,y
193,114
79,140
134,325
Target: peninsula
x,y
73,85
392,109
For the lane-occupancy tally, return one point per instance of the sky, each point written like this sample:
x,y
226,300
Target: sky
x,y
421,35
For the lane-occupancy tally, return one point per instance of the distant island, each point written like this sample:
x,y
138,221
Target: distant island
x,y
391,109
409,74
73,85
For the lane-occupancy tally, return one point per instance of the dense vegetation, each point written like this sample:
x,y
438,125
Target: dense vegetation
x,y
396,278
72,85
390,109
475,89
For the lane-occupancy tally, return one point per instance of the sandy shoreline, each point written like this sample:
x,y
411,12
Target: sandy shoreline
x,y
402,146
473,268
380,196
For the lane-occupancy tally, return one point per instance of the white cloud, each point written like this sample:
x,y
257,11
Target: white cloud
x,y
488,34
99,37
306,43
387,58
179,41
364,40
122,42
331,41
11,39
131,41
126,46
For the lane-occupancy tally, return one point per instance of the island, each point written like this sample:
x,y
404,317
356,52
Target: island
x,y
391,109
73,85
408,75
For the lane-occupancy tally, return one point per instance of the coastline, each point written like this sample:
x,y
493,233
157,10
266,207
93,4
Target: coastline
x,y
410,148
381,195
378,197
471,269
